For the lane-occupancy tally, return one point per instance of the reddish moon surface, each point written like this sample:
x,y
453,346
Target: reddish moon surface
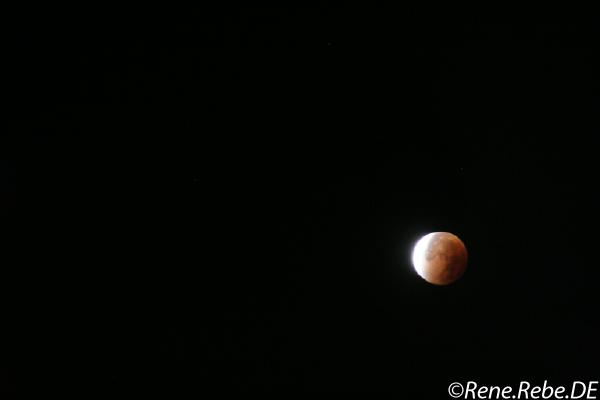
x,y
440,258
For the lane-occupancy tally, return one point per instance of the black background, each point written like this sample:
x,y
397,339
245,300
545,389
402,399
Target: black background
x,y
228,199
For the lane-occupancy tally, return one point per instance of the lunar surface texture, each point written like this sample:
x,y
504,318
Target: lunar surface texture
x,y
440,258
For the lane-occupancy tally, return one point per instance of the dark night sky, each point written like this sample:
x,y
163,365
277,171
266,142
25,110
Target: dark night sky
x,y
228,199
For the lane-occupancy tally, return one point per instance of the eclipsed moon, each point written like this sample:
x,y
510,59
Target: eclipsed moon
x,y
440,258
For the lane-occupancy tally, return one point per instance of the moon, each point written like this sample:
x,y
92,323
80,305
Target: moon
x,y
440,258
